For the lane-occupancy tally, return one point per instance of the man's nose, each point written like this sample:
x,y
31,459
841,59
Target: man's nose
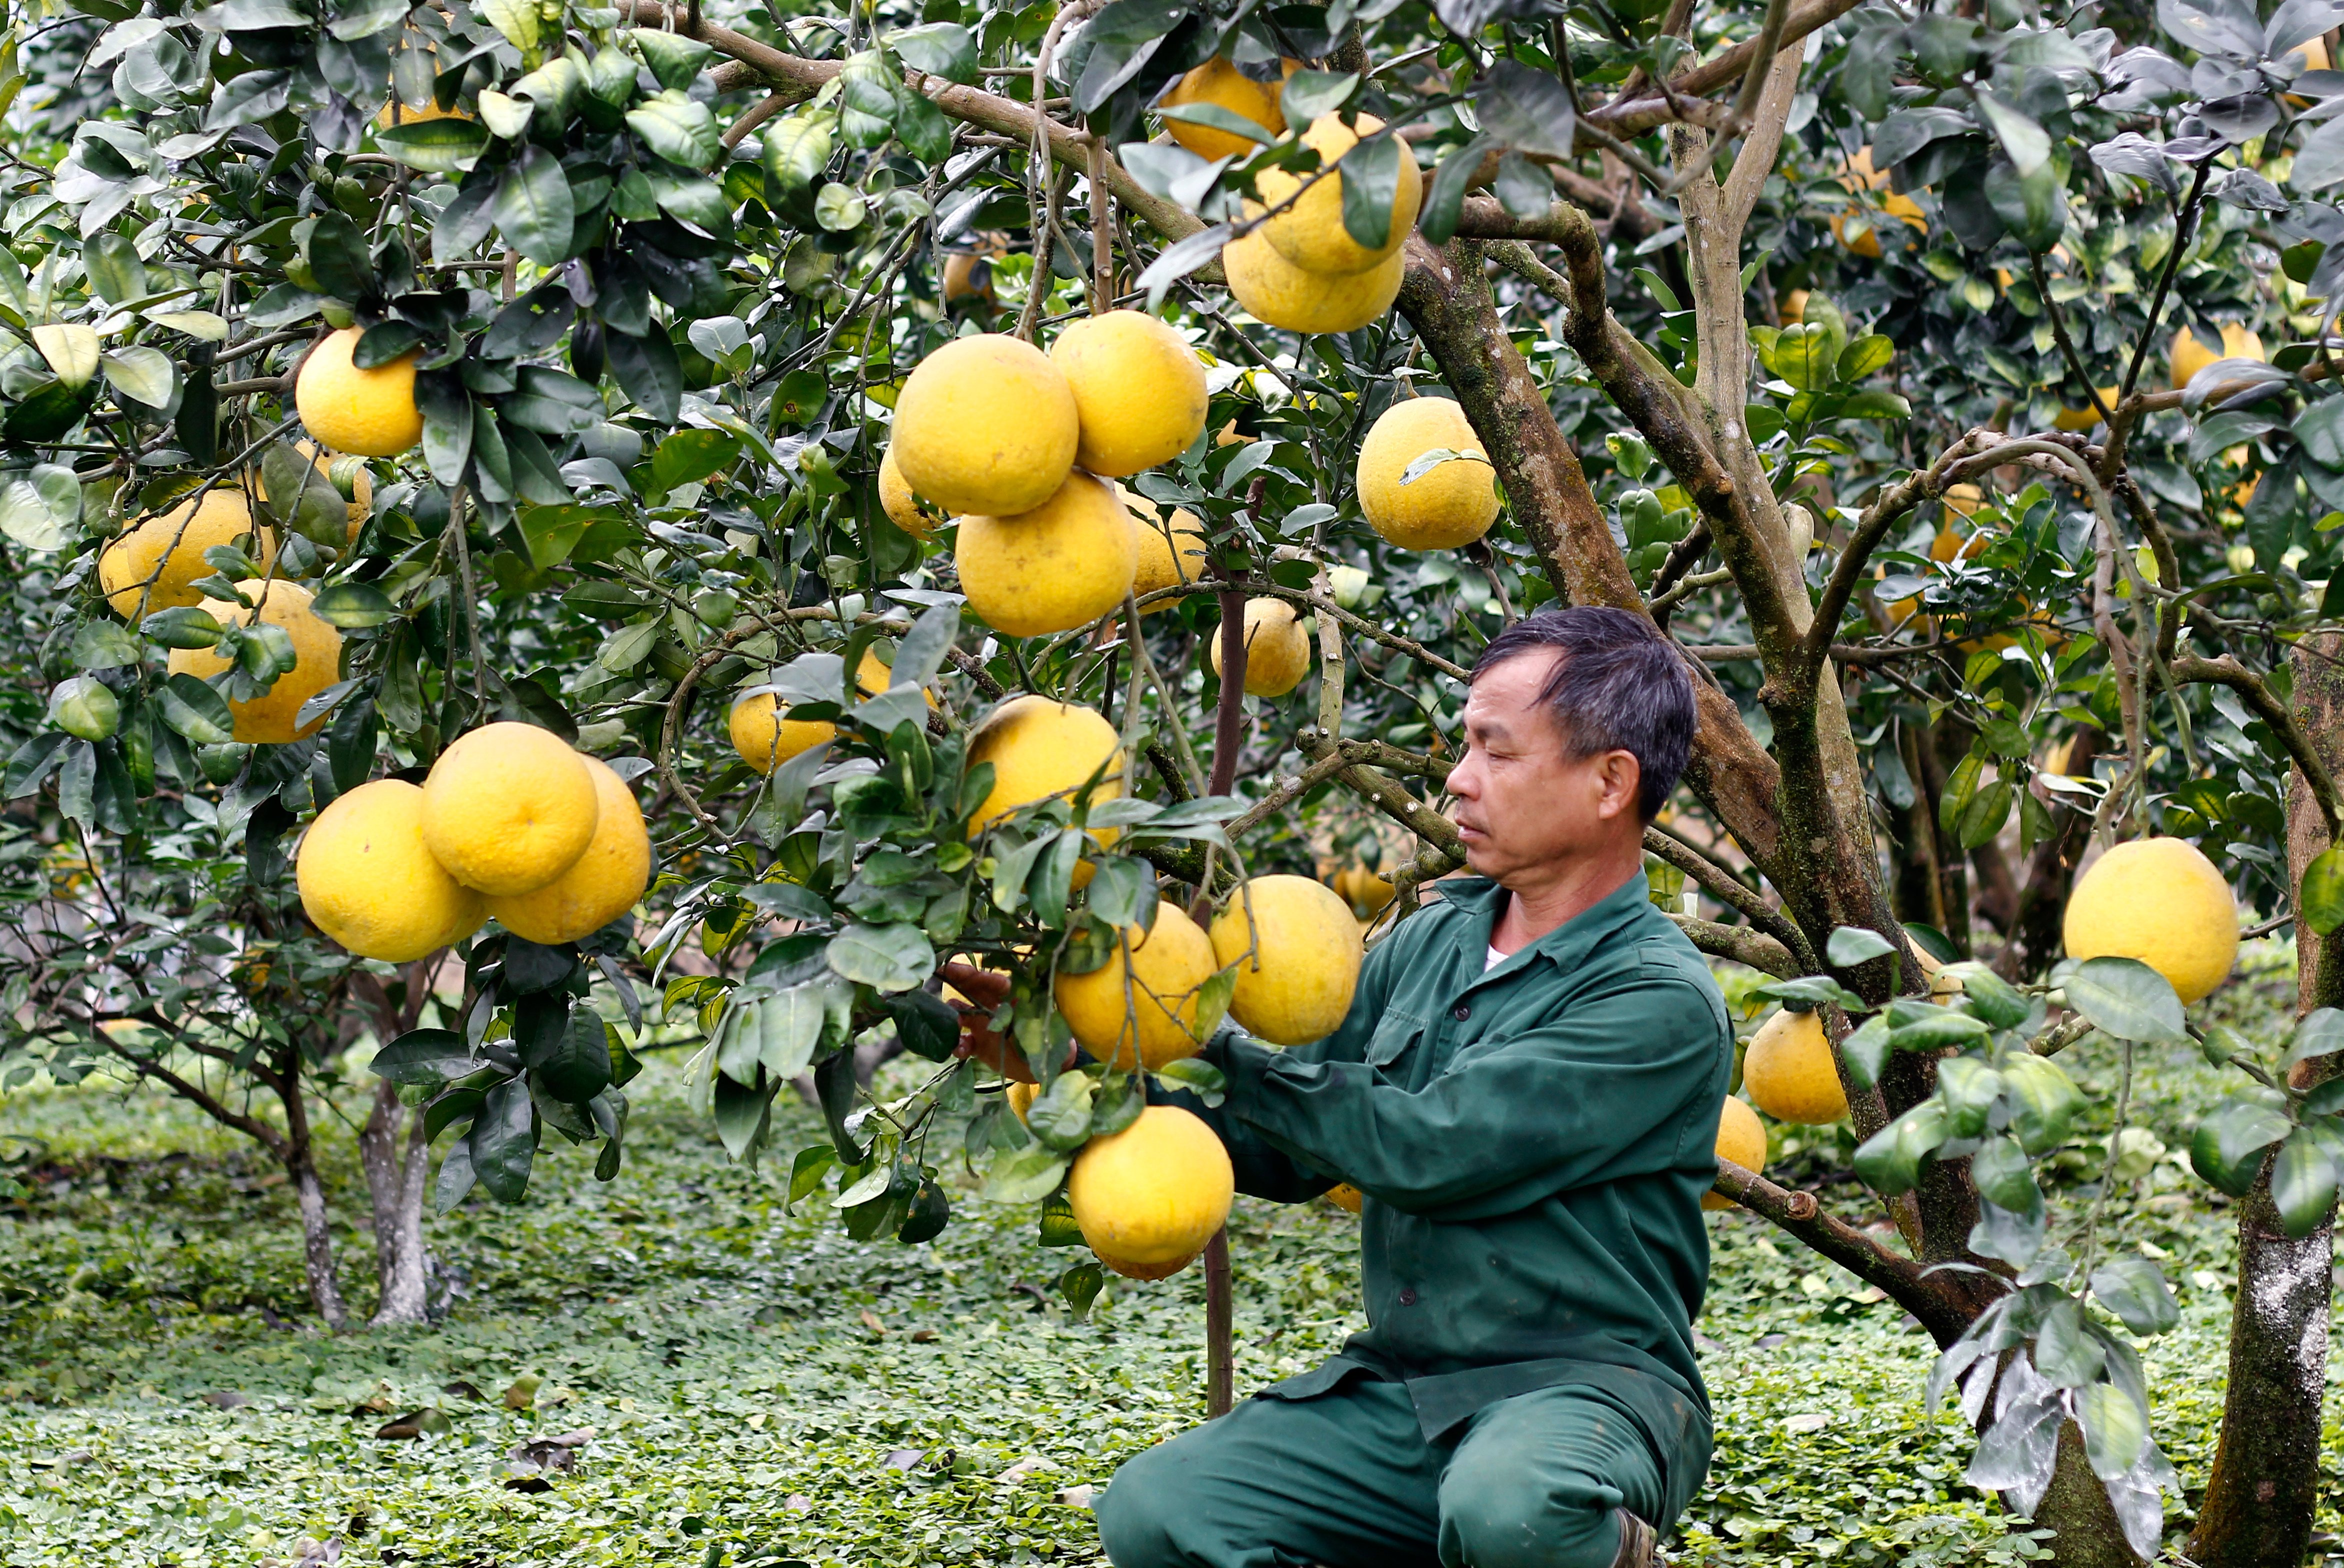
x,y
1459,780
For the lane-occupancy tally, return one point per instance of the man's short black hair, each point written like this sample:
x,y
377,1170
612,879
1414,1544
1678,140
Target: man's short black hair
x,y
1620,685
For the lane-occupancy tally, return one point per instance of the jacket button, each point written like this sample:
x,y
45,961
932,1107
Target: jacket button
x,y
1464,1010
1408,1295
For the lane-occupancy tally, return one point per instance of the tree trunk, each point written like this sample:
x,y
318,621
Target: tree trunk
x,y
395,1179
2263,1490
2077,1506
317,1241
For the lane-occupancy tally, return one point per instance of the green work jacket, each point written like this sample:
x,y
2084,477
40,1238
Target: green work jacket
x,y
1533,1142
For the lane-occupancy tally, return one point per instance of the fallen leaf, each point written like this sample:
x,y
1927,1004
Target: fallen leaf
x,y
904,1458
1076,1496
871,1321
429,1418
1032,1464
798,1502
227,1400
924,1336
462,1391
522,1394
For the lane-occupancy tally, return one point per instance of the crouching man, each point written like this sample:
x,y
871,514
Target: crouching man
x,y
1526,1091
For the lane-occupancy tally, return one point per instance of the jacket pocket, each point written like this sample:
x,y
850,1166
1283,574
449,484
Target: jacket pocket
x,y
1396,1032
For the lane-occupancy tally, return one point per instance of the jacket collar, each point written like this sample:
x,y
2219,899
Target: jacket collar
x,y
1568,944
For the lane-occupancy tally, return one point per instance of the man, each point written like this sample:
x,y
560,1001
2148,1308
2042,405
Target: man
x,y
1526,1091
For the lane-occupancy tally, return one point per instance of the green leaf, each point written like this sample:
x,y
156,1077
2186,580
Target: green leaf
x,y
1371,184
2116,1429
677,128
2065,1351
435,147
193,709
1058,1226
649,373
1813,989
807,1170
2303,1184
2043,1101
1853,945
2321,900
353,606
1968,1087
1078,1287
145,376
1865,1051
883,957
2228,1147
796,151
426,1057
1986,995
503,1141
926,1023
516,19
1889,1161
2005,1177
1061,1115
789,1029
533,207
741,1114
1307,94
2125,998
1939,1029
1444,198
1195,1074
943,49
1528,109
674,59
2133,1289
578,1067
1865,356
1024,1175
2320,1034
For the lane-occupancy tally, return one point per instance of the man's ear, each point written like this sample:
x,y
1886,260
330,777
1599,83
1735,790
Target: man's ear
x,y
1623,780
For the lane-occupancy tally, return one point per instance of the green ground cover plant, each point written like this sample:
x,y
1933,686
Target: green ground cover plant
x,y
763,1390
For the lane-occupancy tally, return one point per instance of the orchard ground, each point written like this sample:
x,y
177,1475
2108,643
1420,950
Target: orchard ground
x,y
763,1389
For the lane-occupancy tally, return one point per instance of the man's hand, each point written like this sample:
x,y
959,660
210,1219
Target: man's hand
x,y
981,992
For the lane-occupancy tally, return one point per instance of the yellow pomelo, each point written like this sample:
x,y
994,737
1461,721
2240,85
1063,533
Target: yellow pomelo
x,y
1363,889
1276,293
1453,504
1064,564
1149,1198
508,807
903,508
1866,243
765,735
1310,233
1277,650
599,886
368,413
1038,749
766,739
268,718
1218,82
1306,952
1345,1198
395,113
1171,550
1021,1098
367,882
986,425
1139,392
1168,965
175,540
1788,1073
1795,308
2085,417
1741,1138
2161,901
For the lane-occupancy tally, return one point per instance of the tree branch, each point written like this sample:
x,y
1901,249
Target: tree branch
x,y
2227,671
1902,1279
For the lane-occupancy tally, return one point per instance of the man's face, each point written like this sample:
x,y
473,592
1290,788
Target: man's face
x,y
1523,803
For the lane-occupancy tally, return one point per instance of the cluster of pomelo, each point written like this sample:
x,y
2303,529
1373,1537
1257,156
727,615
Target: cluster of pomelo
x,y
1298,267
511,823
2156,900
1024,448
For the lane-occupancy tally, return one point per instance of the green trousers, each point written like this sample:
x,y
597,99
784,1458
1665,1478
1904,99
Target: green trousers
x,y
1348,1480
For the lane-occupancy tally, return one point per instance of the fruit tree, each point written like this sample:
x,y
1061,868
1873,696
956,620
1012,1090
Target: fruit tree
x,y
804,534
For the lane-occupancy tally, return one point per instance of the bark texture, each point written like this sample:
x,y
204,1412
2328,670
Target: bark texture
x,y
396,1165
2262,1493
